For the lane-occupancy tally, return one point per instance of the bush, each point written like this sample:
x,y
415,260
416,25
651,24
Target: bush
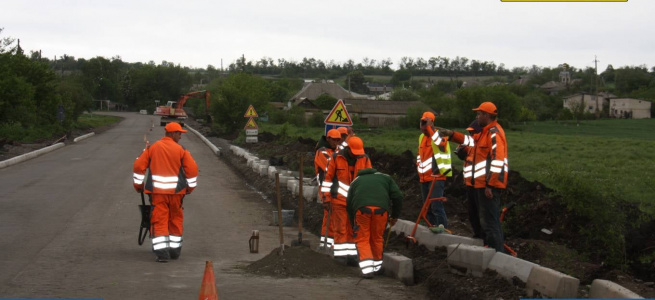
x,y
600,222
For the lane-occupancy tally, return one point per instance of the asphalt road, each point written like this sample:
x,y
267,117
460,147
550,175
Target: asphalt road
x,y
69,221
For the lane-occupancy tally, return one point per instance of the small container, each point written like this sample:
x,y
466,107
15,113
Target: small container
x,y
254,242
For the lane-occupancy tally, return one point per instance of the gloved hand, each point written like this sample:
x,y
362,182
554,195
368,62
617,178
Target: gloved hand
x,y
461,152
392,222
443,132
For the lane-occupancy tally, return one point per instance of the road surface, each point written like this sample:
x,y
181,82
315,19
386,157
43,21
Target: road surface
x,y
69,222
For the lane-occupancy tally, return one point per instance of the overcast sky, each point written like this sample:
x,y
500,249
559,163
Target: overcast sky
x,y
197,33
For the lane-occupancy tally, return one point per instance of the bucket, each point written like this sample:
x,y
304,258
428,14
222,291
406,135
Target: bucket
x,y
287,217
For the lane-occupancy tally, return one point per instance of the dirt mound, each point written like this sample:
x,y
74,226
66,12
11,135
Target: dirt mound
x,y
302,262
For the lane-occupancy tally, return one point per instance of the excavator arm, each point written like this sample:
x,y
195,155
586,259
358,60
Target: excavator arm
x,y
177,112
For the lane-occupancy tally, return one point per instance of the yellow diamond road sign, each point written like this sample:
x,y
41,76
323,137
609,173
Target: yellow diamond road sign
x,y
251,124
250,113
339,115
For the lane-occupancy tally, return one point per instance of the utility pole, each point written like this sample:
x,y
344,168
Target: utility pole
x,y
596,85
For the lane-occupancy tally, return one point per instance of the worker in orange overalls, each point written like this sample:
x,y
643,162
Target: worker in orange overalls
x,y
490,170
465,152
173,174
326,146
341,171
372,198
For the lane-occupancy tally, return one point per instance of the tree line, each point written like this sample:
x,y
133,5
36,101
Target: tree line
x,y
35,91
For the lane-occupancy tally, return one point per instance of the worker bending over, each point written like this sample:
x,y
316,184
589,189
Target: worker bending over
x,y
372,197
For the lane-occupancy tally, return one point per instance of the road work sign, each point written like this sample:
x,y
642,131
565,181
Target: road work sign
x,y
339,115
250,113
251,124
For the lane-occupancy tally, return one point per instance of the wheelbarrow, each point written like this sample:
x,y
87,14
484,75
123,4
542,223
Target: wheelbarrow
x,y
146,212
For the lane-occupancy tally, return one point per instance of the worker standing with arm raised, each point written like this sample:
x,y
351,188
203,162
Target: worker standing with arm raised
x,y
433,163
173,174
490,170
341,171
372,197
324,150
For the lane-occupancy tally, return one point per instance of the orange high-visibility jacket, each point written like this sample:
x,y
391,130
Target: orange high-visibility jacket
x,y
431,161
468,163
321,160
172,169
339,176
489,162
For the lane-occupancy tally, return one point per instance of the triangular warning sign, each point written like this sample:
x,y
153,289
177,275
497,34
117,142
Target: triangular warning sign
x,y
250,113
251,124
339,115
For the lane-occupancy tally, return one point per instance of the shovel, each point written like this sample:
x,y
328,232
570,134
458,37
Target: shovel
x,y
301,201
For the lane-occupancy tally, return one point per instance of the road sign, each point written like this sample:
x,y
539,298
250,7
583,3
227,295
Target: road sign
x,y
251,139
339,115
250,113
332,126
252,131
251,124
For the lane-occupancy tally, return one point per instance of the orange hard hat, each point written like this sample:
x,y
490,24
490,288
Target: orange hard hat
x,y
428,116
333,133
173,127
356,145
342,130
487,107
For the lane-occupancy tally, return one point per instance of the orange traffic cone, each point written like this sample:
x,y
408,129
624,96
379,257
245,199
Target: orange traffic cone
x,y
208,287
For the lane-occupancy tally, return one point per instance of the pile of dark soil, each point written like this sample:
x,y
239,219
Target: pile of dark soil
x,y
300,261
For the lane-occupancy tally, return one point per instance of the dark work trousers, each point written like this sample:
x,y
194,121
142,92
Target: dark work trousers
x,y
474,216
437,213
489,212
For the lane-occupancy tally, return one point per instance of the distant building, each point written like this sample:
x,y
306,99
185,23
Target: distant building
x,y
628,108
588,100
379,88
381,113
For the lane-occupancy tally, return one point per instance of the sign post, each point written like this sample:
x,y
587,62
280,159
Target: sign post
x,y
252,130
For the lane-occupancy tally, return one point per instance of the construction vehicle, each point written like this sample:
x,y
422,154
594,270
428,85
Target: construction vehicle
x,y
174,110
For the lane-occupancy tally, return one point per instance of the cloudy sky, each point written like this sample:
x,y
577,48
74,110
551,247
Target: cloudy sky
x,y
196,33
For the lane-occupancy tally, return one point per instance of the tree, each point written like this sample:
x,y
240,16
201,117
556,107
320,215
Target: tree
x,y
404,95
234,94
325,101
357,82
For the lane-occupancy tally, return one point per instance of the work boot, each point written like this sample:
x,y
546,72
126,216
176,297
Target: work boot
x,y
353,261
342,260
175,252
162,255
379,272
368,276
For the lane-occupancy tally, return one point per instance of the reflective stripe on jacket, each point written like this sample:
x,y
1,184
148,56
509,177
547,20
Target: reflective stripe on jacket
x,y
339,176
467,171
433,151
489,165
172,169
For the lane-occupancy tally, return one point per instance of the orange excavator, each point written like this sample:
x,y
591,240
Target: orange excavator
x,y
174,110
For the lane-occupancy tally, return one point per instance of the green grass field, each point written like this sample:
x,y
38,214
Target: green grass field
x,y
93,120
615,158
